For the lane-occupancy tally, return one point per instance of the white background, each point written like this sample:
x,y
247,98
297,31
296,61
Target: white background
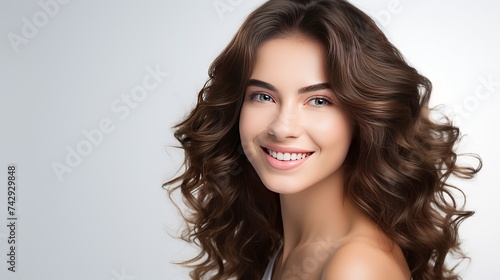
x,y
109,218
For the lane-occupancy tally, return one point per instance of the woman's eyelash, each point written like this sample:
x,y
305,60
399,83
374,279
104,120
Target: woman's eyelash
x,y
323,98
264,97
261,97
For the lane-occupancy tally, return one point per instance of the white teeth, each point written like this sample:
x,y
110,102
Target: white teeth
x,y
287,156
280,156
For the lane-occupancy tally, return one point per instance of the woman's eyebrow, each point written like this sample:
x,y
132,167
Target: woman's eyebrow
x,y
262,84
268,86
315,87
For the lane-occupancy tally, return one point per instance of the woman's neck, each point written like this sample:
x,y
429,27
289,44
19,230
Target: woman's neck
x,y
320,213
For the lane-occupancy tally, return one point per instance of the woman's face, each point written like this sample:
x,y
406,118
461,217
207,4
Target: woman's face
x,y
291,129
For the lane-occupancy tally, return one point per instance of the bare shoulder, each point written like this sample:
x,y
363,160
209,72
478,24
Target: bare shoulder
x,y
366,259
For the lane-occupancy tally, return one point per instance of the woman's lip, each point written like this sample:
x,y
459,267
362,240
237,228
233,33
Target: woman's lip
x,y
286,149
283,164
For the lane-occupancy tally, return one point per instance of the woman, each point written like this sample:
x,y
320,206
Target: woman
x,y
311,154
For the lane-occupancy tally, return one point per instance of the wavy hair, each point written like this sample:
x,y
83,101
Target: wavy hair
x,y
397,167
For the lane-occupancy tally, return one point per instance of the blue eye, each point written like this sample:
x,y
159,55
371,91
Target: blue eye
x,y
261,97
319,102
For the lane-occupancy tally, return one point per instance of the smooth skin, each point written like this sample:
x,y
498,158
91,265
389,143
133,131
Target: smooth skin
x,y
290,107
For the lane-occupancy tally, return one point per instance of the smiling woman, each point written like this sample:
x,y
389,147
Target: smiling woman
x,y
311,154
288,111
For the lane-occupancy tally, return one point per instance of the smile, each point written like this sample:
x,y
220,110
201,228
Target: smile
x,y
286,156
286,160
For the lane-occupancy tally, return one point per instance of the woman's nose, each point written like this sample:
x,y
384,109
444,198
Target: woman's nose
x,y
285,124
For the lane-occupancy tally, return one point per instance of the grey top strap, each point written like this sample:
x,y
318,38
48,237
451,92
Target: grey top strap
x,y
270,266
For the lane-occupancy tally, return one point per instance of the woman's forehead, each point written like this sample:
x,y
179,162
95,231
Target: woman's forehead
x,y
292,61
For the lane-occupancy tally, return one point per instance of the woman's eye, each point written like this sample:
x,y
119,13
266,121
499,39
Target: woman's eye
x,y
261,97
319,102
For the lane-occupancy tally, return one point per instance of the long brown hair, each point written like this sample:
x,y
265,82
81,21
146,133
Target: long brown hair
x,y
397,168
